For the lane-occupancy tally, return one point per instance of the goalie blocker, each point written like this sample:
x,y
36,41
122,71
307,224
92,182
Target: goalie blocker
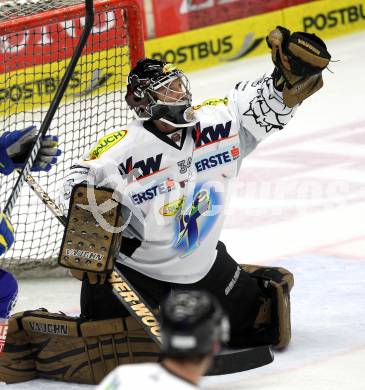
x,y
88,249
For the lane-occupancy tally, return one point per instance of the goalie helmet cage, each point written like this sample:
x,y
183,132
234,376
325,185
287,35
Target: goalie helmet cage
x,y
37,39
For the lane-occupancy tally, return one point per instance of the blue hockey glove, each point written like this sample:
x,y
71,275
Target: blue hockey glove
x,y
6,234
14,148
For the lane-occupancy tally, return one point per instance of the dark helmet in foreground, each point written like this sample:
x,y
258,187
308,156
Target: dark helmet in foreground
x,y
149,83
192,324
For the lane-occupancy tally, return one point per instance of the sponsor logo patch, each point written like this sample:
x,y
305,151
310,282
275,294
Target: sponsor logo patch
x,y
345,16
85,254
106,143
211,134
171,209
217,159
145,167
196,51
149,194
39,327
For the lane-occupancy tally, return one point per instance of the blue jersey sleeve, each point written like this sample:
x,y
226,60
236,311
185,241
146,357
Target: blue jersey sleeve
x,y
8,293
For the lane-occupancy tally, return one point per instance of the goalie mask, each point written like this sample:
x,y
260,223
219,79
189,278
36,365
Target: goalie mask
x,y
158,90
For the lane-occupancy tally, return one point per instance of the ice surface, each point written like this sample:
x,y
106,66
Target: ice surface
x,y
314,227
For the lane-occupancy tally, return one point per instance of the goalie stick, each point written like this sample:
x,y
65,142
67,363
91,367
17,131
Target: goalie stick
x,y
89,21
227,361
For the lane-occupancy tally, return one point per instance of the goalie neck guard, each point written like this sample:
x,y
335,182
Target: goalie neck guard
x,y
192,323
158,90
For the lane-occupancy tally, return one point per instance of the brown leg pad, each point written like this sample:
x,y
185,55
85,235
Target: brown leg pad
x,y
274,313
17,360
67,349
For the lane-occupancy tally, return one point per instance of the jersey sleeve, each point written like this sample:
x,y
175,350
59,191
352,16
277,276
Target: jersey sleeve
x,y
8,293
259,108
77,174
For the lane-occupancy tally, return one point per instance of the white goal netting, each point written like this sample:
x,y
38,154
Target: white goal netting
x,y
37,39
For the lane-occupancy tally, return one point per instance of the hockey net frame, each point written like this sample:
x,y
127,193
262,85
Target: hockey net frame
x,y
38,233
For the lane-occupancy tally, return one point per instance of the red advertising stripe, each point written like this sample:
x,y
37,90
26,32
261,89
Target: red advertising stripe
x,y
54,42
34,41
173,16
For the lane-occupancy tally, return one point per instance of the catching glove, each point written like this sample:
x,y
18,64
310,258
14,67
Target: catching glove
x,y
14,148
6,234
299,59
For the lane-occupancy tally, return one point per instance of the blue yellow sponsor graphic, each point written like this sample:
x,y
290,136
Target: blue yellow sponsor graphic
x,y
243,38
106,143
328,18
212,45
217,159
197,219
33,87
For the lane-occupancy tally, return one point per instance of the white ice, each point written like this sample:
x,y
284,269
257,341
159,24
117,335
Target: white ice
x,y
300,204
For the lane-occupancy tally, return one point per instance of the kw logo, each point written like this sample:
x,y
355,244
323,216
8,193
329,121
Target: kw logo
x,y
145,167
249,44
211,133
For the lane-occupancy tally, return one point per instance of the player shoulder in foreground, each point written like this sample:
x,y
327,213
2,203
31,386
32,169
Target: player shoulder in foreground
x,y
193,328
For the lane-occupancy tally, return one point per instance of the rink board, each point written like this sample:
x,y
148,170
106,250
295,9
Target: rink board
x,y
244,38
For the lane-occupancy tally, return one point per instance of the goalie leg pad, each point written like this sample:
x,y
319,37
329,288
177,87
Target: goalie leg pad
x,y
67,349
17,363
273,318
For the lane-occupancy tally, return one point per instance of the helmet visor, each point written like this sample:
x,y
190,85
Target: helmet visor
x,y
174,89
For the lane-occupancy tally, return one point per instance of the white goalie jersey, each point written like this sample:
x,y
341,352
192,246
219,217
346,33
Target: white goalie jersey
x,y
144,376
175,188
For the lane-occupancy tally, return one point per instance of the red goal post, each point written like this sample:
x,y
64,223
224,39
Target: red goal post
x,y
37,39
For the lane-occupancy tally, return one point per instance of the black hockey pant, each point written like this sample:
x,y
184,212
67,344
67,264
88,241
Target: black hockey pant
x,y
237,292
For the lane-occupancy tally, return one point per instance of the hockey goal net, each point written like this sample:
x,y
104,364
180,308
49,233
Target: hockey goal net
x,y
37,40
